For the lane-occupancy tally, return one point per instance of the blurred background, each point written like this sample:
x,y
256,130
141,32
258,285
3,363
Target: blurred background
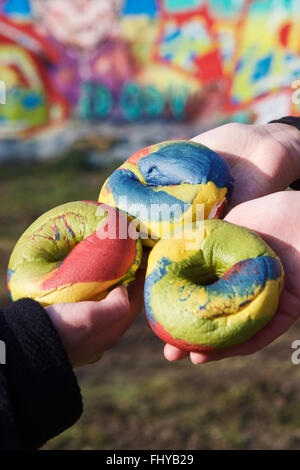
x,y
85,83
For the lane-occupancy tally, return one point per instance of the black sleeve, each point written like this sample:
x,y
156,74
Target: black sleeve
x,y
295,122
290,120
39,394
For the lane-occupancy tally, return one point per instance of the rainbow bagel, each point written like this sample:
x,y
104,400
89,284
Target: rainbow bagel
x,y
217,293
162,185
60,257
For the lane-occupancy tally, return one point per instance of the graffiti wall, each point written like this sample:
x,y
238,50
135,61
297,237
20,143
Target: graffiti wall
x,y
133,61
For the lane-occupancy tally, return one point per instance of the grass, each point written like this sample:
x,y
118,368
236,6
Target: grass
x,y
133,398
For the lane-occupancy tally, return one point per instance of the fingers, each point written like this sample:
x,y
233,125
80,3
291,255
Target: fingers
x,y
275,215
113,309
91,316
103,324
174,354
119,309
280,323
132,297
223,140
263,158
87,329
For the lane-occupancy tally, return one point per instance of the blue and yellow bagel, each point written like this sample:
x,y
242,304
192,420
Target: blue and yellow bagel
x,y
162,185
213,288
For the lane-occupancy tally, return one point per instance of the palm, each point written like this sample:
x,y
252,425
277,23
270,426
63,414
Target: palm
x,y
275,218
263,158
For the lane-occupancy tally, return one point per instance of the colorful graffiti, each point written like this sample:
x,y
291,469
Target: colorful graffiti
x,y
209,60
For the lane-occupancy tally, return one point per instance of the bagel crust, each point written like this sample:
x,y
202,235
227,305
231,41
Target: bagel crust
x,y
216,295
61,258
162,185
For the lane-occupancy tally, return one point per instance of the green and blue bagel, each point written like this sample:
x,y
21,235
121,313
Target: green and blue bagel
x,y
214,287
162,185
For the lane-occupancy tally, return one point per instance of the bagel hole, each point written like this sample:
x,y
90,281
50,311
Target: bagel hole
x,y
200,275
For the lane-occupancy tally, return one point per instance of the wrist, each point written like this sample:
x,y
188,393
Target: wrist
x,y
58,324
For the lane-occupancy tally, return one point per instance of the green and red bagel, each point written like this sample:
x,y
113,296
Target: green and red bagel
x,y
62,258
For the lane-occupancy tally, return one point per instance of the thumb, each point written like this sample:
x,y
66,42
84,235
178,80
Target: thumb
x,y
113,309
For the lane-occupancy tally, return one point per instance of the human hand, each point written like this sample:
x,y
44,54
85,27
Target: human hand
x,y
263,158
276,219
88,329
